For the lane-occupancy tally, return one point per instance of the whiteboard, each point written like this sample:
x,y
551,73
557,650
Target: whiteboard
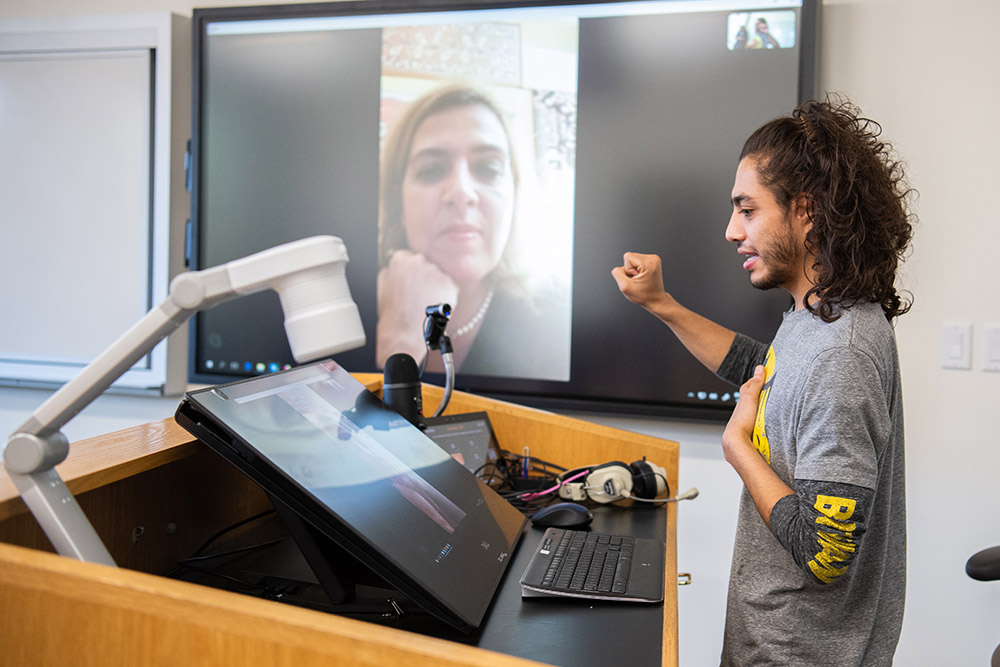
x,y
75,141
94,118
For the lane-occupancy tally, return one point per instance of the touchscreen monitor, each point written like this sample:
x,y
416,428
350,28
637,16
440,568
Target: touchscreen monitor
x,y
468,438
320,443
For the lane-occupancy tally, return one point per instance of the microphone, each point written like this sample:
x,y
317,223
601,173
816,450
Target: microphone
x,y
401,388
690,494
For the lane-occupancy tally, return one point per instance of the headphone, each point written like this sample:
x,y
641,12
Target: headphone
x,y
609,482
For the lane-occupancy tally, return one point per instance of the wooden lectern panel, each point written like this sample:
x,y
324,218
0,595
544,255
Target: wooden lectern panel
x,y
57,611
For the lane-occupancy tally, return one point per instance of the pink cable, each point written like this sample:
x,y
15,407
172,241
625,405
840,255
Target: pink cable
x,y
534,494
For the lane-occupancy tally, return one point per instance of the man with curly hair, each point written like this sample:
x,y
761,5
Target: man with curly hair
x,y
820,209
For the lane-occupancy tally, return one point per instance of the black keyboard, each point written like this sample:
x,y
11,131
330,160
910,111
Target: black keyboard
x,y
589,562
577,563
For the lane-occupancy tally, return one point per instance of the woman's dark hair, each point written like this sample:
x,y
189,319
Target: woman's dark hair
x,y
857,201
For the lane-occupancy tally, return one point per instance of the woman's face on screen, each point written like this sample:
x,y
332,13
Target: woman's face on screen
x,y
458,192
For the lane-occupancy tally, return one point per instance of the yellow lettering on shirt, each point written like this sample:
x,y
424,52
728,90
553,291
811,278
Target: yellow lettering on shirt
x,y
837,509
836,548
760,440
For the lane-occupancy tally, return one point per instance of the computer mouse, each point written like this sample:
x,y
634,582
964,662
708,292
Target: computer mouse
x,y
562,515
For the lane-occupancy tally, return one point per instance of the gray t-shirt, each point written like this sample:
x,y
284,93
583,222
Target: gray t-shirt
x,y
825,584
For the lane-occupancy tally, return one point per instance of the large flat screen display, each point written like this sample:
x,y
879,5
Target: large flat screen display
x,y
501,158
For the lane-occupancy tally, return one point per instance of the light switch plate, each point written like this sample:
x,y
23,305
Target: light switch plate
x,y
956,345
991,349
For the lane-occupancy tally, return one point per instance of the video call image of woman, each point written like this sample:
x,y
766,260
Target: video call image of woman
x,y
447,216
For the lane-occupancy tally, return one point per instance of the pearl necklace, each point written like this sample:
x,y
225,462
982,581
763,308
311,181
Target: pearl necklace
x,y
471,324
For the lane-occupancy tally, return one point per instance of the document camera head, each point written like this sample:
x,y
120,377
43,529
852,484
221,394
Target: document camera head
x,y
321,318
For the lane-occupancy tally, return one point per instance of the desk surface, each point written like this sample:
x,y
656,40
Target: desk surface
x,y
143,477
563,632
553,630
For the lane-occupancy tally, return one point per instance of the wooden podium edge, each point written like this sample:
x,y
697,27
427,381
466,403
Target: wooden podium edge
x,y
84,610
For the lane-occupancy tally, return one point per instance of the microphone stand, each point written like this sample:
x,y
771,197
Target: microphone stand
x,y
436,339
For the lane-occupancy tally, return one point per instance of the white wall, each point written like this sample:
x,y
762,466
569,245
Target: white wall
x,y
926,71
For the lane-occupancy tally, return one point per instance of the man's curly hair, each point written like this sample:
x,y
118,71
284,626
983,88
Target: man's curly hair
x,y
857,201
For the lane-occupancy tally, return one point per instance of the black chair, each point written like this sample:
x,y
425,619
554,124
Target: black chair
x,y
985,566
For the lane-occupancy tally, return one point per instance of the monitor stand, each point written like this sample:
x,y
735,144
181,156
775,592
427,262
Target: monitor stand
x,y
289,561
311,570
329,565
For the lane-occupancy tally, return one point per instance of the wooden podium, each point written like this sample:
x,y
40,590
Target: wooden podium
x,y
154,494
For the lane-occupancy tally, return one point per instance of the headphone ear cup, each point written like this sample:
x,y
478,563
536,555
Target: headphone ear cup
x,y
609,482
643,479
648,479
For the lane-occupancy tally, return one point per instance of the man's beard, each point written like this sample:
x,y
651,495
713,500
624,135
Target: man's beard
x,y
780,258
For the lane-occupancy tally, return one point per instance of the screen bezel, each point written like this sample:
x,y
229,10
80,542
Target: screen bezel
x,y
491,448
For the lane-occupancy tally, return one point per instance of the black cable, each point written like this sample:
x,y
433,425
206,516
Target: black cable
x,y
533,459
212,572
229,529
492,474
231,552
197,554
509,480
